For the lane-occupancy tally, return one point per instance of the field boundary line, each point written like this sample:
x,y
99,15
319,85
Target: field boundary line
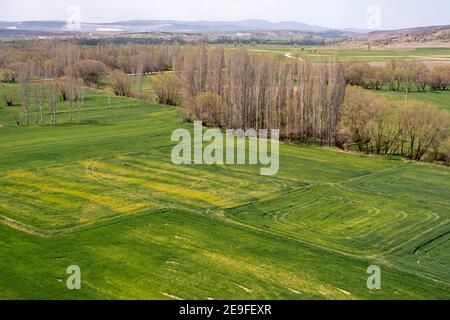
x,y
22,227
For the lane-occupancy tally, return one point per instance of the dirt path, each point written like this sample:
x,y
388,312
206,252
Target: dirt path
x,y
289,56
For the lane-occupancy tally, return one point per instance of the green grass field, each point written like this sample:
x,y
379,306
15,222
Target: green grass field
x,y
324,54
440,99
104,195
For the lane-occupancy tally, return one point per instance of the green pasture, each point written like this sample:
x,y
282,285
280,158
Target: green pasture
x,y
103,194
328,53
440,99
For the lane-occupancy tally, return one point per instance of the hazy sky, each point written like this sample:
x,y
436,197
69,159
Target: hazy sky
x,y
329,13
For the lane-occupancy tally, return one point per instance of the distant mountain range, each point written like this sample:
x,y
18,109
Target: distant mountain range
x,y
271,32
135,26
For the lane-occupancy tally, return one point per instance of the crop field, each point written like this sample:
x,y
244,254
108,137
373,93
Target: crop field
x,y
440,99
324,54
103,194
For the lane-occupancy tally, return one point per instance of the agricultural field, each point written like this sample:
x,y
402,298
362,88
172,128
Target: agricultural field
x,y
343,54
440,99
103,194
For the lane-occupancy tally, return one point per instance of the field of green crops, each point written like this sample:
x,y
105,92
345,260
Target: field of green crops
x,y
440,99
104,195
324,54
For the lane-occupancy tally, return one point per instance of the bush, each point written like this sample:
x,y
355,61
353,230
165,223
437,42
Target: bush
x,y
9,76
356,73
9,99
208,106
167,89
11,72
376,125
121,84
445,151
90,71
440,78
16,114
399,76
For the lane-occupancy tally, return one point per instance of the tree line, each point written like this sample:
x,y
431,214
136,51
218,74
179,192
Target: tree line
x,y
410,129
48,71
90,61
308,103
237,90
399,75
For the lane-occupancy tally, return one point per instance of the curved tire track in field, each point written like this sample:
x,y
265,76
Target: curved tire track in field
x,y
418,249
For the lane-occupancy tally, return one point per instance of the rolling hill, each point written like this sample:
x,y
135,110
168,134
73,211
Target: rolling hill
x,y
170,30
437,36
163,26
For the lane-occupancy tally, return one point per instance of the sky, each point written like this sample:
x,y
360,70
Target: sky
x,y
376,14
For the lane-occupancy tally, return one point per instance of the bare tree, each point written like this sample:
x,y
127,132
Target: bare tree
x,y
167,89
91,71
445,149
302,100
73,90
26,91
425,126
80,103
42,94
120,83
356,116
52,100
9,98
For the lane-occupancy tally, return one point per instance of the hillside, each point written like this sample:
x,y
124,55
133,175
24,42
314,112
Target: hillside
x,y
169,31
438,36
163,26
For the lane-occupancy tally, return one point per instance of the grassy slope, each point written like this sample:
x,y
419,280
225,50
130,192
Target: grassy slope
x,y
104,195
440,99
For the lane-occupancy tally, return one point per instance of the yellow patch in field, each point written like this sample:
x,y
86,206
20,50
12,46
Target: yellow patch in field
x,y
119,174
60,201
138,206
110,202
7,206
193,171
20,174
159,113
140,165
226,189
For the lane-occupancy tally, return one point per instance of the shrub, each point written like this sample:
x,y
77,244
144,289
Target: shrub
x,y
356,73
121,84
207,106
9,99
16,114
90,71
445,151
9,76
167,89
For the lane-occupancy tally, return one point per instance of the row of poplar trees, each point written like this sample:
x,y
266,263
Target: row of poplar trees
x,y
237,90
